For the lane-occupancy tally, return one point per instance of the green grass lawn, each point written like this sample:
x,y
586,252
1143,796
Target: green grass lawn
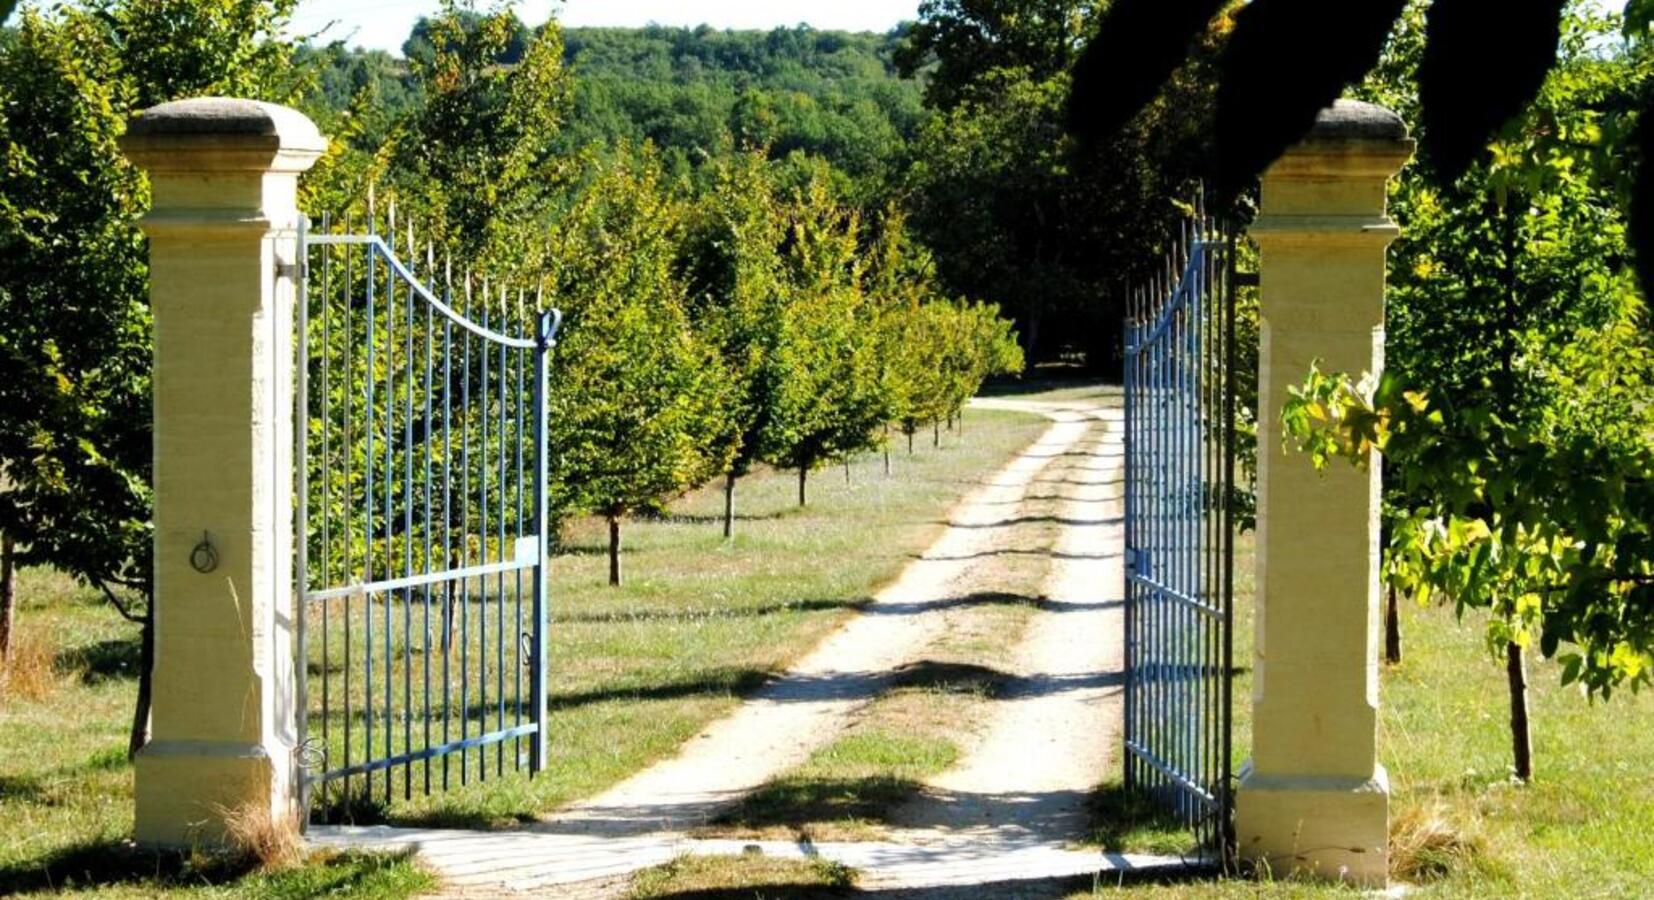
x,y
635,670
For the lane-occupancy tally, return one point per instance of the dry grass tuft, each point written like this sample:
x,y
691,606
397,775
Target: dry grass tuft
x,y
273,842
1428,842
31,673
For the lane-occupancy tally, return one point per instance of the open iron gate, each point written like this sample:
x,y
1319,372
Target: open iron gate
x,y
1180,467
421,496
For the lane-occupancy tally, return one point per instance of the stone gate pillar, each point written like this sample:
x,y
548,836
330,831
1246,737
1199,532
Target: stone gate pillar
x,y
223,242
1314,798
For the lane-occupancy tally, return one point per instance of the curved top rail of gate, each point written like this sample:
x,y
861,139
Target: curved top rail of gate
x,y
384,251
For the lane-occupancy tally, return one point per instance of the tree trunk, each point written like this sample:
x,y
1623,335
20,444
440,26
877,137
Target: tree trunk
x,y
847,469
1521,736
729,506
803,473
1392,630
139,735
910,442
614,550
887,449
950,422
961,420
936,433
8,595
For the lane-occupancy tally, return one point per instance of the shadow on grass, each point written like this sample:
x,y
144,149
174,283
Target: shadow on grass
x,y
115,659
1020,889
358,809
93,865
37,787
24,789
721,681
799,800
96,864
1051,379
1034,520
952,678
1132,821
718,518
696,615
1016,551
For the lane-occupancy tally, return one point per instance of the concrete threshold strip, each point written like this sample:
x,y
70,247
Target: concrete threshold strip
x,y
531,862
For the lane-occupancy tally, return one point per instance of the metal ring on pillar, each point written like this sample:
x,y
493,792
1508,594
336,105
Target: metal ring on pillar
x,y
204,558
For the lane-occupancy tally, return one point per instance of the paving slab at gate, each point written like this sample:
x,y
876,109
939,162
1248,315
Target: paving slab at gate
x,y
529,861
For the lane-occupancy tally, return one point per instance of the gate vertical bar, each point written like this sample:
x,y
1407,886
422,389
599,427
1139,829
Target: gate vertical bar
x,y
301,490
543,341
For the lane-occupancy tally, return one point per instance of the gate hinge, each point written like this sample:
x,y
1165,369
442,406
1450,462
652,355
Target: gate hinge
x,y
291,270
1131,560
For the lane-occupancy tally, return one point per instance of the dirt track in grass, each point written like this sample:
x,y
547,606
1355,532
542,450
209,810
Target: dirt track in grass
x,y
801,711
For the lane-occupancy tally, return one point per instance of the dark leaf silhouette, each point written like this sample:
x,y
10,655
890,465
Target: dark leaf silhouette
x,y
1642,200
1139,45
1484,62
1286,61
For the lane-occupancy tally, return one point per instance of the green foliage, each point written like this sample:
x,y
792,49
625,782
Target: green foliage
x,y
428,34
1018,212
739,286
960,45
1514,413
74,319
699,93
74,322
170,49
633,389
477,155
829,402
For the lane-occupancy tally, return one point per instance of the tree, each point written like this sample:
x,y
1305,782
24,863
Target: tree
x,y
428,33
828,399
740,289
1513,414
478,158
633,390
74,318
960,45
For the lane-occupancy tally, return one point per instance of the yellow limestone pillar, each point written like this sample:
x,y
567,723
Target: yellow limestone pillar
x,y
1314,799
223,236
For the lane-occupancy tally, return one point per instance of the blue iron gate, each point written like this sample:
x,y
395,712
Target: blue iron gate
x,y
421,494
1180,413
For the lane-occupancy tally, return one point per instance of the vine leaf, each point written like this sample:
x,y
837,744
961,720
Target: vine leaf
x,y
1286,61
1137,48
1484,62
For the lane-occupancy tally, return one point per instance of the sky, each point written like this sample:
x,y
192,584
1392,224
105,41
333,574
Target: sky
x,y
384,24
